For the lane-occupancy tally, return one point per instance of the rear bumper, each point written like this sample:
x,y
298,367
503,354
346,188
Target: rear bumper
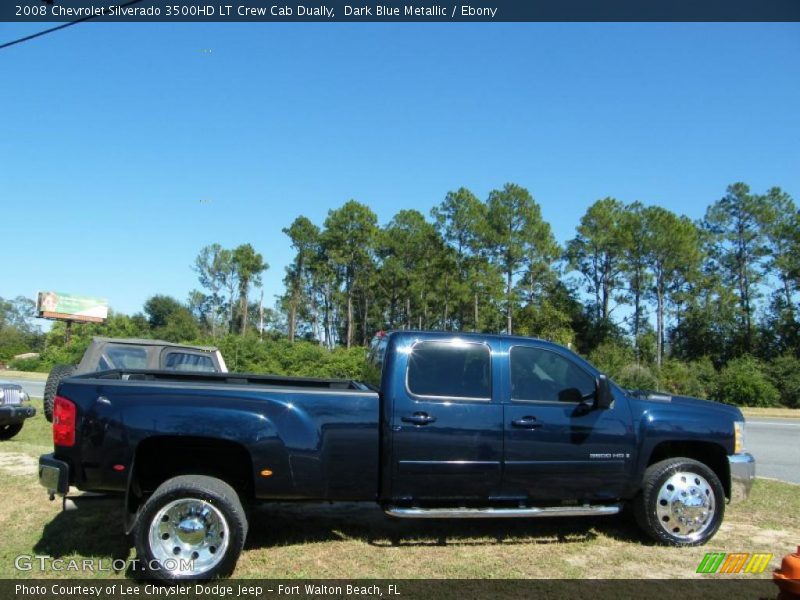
x,y
53,474
15,413
743,473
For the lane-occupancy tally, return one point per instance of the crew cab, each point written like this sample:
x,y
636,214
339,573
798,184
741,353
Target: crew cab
x,y
460,426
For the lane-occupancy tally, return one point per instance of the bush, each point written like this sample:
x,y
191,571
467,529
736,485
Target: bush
x,y
784,372
697,378
611,359
744,382
27,364
280,357
637,377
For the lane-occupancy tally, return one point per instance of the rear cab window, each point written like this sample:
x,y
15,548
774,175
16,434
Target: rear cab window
x,y
450,370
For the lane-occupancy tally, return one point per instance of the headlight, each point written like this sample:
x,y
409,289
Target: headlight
x,y
2,394
24,396
738,437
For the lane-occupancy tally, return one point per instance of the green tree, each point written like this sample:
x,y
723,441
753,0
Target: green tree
x,y
518,238
217,274
249,265
598,253
348,241
170,320
738,248
461,221
305,239
635,268
673,254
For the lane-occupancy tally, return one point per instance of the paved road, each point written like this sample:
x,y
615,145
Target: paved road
x,y
776,445
34,388
774,442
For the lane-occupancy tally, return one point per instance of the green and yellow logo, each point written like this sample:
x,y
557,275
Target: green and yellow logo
x,y
735,562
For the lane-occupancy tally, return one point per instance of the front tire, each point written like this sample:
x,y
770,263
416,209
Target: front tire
x,y
192,527
681,503
10,430
57,373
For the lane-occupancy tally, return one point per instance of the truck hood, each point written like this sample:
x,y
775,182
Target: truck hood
x,y
659,399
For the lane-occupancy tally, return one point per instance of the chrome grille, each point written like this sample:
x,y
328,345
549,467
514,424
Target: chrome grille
x,y
11,395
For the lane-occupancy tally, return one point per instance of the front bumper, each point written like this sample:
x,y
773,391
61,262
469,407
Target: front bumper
x,y
15,413
743,473
53,475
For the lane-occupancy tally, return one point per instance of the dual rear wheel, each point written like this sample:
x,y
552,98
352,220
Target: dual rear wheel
x,y
192,527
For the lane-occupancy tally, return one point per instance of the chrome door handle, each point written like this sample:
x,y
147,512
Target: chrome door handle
x,y
418,418
526,423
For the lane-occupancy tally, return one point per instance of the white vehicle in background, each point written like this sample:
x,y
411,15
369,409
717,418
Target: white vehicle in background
x,y
105,354
14,409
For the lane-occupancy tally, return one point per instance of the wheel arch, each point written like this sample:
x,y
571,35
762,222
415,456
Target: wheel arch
x,y
159,458
711,454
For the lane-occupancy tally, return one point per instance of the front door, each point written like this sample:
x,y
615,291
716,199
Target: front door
x,y
447,426
557,448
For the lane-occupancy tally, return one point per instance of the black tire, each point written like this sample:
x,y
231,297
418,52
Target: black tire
x,y
219,540
681,502
10,430
57,373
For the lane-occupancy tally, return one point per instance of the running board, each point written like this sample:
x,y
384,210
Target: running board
x,y
500,513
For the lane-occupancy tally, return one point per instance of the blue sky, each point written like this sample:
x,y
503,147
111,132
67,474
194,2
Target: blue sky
x,y
126,148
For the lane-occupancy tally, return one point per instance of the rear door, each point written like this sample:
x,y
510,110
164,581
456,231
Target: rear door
x,y
447,425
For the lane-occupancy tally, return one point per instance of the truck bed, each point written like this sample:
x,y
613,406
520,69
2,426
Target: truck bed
x,y
318,438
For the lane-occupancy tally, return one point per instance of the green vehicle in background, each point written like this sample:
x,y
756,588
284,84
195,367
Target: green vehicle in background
x,y
104,354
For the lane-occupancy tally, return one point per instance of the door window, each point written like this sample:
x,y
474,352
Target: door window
x,y
450,370
545,376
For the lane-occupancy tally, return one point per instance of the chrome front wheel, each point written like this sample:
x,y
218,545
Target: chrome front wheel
x,y
686,505
681,502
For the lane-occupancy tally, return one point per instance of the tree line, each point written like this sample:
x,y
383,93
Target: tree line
x,y
640,289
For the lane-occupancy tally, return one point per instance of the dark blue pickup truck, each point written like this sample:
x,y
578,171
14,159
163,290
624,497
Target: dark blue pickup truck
x,y
461,426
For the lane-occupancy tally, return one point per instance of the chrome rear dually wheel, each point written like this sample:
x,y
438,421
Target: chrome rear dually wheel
x,y
192,527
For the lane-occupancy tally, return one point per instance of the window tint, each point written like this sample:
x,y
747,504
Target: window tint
x,y
184,361
125,357
450,370
538,374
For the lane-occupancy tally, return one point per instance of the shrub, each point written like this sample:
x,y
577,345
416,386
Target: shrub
x,y
637,377
27,364
611,359
784,372
697,378
743,382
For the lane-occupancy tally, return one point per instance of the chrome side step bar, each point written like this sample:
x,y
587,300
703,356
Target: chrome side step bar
x,y
499,513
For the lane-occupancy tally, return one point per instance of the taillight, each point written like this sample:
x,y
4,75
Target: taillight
x,y
63,422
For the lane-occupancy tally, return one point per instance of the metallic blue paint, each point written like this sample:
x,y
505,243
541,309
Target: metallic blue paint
x,y
325,442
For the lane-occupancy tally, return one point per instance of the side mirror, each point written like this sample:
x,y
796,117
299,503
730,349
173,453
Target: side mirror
x,y
603,396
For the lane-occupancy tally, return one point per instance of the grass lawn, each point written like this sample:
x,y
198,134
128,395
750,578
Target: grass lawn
x,y
358,541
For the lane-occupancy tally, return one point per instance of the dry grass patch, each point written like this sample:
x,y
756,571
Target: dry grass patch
x,y
781,413
31,375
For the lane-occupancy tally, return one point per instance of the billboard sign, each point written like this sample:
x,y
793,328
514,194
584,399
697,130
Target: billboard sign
x,y
69,307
